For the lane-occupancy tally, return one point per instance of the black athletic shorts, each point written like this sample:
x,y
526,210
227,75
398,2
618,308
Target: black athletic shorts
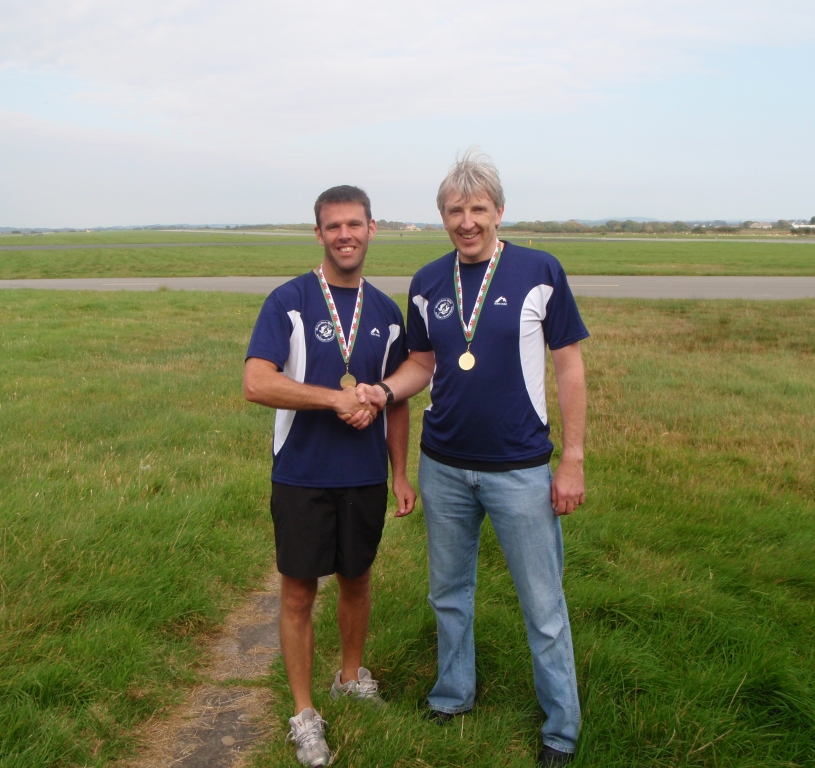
x,y
320,531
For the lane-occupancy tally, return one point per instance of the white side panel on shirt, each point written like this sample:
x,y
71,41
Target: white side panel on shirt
x,y
393,335
421,305
295,369
533,346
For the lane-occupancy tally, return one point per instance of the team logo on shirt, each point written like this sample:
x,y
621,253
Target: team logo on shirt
x,y
444,308
324,330
501,301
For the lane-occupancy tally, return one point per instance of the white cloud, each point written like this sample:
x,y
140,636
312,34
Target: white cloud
x,y
251,70
235,112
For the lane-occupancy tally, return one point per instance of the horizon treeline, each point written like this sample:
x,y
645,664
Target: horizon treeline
x,y
656,227
572,226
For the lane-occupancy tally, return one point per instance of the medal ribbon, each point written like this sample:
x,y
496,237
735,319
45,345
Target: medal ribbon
x,y
346,348
469,328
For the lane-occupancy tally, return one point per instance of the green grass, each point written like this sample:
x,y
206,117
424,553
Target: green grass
x,y
670,257
276,256
690,572
132,509
133,493
392,254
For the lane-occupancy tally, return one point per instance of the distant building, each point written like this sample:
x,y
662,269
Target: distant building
x,y
411,228
761,225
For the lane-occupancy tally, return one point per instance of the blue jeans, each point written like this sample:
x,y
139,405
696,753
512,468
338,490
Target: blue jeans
x,y
519,505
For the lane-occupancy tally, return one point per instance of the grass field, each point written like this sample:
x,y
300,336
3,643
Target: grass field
x,y
133,511
391,254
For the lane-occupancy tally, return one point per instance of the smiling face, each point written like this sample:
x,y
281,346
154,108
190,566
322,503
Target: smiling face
x,y
472,224
344,233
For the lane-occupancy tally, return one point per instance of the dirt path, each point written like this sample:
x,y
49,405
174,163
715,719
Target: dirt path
x,y
225,715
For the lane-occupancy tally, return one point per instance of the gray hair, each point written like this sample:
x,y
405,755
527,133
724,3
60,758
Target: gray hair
x,y
473,174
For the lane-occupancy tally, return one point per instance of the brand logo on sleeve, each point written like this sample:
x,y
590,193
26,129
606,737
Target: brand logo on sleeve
x,y
324,330
444,308
501,301
375,332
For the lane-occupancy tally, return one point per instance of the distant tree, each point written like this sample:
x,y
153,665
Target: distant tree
x,y
812,220
782,224
428,227
385,224
747,224
572,226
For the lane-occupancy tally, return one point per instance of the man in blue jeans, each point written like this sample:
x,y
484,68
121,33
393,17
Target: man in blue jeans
x,y
479,321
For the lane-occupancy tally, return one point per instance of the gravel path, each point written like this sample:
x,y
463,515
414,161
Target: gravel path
x,y
228,712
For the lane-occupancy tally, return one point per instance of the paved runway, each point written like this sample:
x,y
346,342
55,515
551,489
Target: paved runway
x,y
606,286
240,241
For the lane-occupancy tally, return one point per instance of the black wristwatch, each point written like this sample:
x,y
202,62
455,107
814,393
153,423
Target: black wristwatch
x,y
388,391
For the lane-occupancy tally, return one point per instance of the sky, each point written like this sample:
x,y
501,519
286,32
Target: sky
x,y
174,111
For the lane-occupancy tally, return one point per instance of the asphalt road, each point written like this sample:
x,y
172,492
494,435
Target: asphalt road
x,y
44,246
617,286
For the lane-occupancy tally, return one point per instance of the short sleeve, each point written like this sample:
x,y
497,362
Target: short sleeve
x,y
562,324
417,337
397,354
271,336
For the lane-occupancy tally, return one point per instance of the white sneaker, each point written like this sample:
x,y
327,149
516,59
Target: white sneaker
x,y
365,689
308,734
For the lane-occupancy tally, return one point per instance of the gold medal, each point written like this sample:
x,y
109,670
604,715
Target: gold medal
x,y
467,361
345,347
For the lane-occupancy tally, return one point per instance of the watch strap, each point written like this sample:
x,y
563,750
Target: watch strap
x,y
388,391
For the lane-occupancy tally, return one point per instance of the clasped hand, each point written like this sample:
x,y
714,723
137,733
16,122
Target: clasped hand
x,y
358,407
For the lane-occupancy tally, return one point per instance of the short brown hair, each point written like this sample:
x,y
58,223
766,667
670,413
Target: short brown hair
x,y
343,194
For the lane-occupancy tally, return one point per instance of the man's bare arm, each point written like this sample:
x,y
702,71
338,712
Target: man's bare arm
x,y
397,441
409,379
568,484
264,383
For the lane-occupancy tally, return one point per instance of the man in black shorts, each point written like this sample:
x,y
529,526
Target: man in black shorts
x,y
315,338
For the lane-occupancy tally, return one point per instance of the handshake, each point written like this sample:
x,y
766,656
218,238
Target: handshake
x,y
359,406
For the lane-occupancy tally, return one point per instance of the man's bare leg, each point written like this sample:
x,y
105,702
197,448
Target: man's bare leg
x,y
353,612
297,637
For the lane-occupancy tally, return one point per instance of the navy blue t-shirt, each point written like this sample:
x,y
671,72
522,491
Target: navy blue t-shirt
x,y
316,449
496,412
